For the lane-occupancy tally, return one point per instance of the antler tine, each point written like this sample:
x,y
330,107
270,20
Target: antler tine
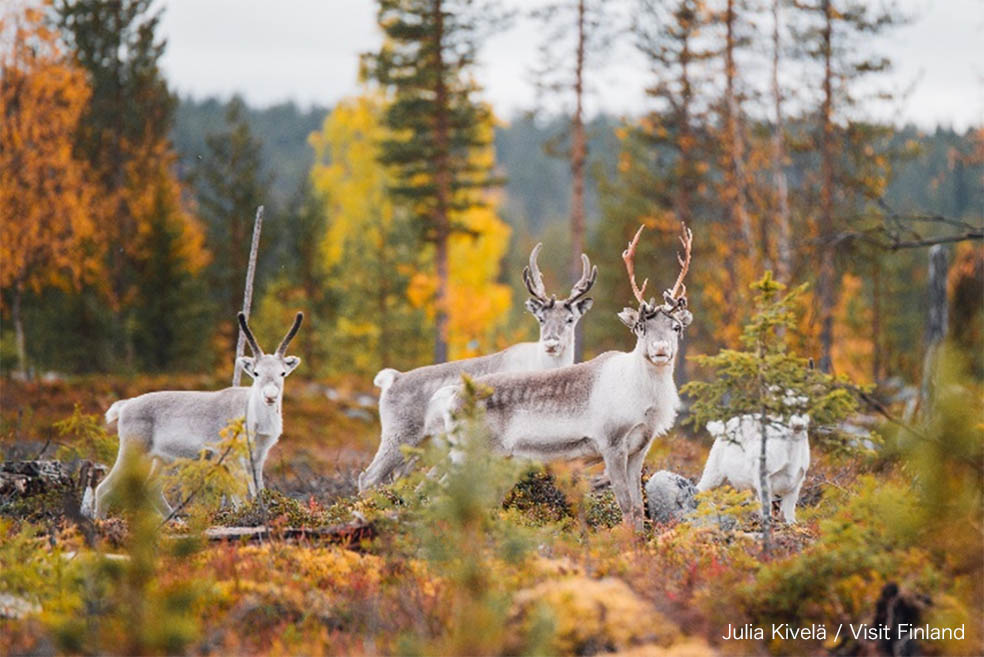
x,y
589,275
532,276
253,344
628,255
686,239
282,349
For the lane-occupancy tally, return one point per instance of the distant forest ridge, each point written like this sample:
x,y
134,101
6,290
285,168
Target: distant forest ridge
x,y
537,192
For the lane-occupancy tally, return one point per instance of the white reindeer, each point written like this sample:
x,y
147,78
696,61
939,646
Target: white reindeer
x,y
404,399
612,406
737,449
178,424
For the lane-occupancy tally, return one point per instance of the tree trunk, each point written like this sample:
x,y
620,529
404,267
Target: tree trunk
x,y
876,294
765,495
826,281
936,325
687,174
15,311
578,157
783,250
735,169
443,183
248,292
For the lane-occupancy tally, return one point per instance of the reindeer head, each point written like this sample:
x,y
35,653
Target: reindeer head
x,y
658,328
269,370
557,318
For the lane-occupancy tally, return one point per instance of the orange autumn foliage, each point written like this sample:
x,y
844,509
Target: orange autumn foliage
x,y
48,235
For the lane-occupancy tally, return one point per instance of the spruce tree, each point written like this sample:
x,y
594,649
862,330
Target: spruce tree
x,y
427,64
230,183
124,135
761,379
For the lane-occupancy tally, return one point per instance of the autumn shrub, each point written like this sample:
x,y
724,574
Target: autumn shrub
x,y
133,603
538,499
268,507
918,526
456,520
84,436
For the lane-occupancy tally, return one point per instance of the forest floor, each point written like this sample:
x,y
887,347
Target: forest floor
x,y
451,571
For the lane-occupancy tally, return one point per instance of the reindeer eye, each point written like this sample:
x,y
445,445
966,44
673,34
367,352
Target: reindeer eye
x,y
677,327
570,320
283,374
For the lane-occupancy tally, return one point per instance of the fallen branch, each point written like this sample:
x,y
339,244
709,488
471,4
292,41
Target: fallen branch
x,y
348,535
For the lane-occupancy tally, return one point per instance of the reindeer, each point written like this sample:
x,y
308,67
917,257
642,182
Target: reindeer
x,y
737,448
179,424
404,399
612,406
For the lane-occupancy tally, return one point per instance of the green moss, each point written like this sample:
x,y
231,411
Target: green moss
x,y
601,511
539,500
269,506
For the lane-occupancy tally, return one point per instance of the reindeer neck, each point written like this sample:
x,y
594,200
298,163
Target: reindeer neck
x,y
261,418
645,372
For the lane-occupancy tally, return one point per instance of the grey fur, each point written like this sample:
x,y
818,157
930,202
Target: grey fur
x,y
406,396
612,406
179,424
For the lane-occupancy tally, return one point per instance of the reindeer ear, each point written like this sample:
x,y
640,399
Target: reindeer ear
x,y
684,317
247,365
629,317
291,362
534,306
583,305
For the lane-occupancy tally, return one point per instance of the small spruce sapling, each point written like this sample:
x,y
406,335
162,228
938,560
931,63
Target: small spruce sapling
x,y
760,378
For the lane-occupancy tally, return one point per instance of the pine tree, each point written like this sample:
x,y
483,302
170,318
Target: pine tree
x,y
830,33
577,34
427,61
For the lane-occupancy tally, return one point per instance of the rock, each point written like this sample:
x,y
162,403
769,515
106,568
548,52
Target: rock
x,y
366,400
12,606
671,497
358,414
590,616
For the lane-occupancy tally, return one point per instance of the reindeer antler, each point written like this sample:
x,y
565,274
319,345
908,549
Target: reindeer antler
x,y
282,349
628,255
588,276
532,276
253,344
679,290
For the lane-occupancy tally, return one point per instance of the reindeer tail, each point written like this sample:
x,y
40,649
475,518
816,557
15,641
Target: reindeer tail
x,y
715,428
385,378
113,414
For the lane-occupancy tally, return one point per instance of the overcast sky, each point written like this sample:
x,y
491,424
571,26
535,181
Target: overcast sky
x,y
307,51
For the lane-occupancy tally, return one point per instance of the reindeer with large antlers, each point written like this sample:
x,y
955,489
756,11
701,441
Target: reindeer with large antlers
x,y
179,424
612,406
405,396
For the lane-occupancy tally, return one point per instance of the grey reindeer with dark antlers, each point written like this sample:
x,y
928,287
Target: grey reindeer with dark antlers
x,y
612,406
404,399
181,423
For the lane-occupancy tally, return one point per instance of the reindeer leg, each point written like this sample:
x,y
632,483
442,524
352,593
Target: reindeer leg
x,y
636,435
616,466
388,458
108,483
157,495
